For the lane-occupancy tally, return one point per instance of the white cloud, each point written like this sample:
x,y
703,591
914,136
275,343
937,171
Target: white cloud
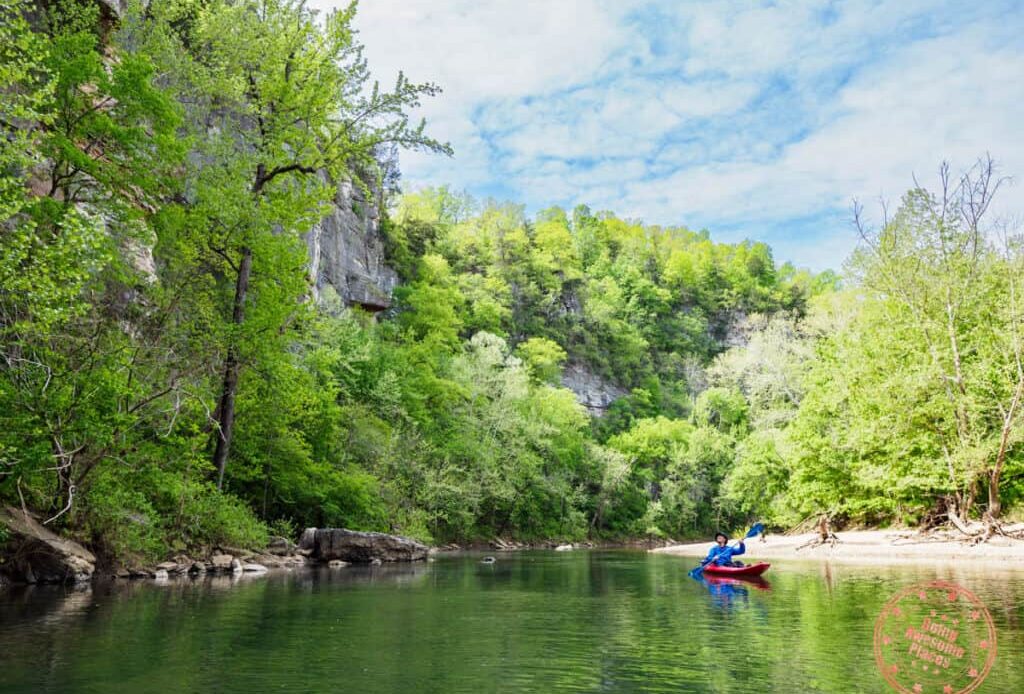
x,y
752,118
485,49
944,98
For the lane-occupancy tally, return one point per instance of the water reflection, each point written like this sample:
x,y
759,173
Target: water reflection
x,y
527,622
728,592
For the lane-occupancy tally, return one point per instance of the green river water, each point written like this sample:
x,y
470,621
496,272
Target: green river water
x,y
597,621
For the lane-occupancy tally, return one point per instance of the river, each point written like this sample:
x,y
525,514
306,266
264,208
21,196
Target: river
x,y
587,621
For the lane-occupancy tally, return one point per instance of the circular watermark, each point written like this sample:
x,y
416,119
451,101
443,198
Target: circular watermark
x,y
934,638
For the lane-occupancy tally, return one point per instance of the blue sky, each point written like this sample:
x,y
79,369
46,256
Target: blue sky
x,y
759,120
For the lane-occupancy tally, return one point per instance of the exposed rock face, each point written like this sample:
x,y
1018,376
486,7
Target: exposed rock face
x,y
592,391
36,555
365,548
308,539
116,8
346,252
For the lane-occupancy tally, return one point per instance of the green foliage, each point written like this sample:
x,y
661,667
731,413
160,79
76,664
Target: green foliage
x,y
722,409
897,399
543,358
167,382
121,261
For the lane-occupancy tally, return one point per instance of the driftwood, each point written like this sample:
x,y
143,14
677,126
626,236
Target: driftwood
x,y
825,535
975,532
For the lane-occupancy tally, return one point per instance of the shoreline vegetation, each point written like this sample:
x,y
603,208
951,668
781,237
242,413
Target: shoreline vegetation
x,y
175,376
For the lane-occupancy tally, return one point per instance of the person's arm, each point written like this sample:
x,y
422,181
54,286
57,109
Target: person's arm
x,y
741,549
713,554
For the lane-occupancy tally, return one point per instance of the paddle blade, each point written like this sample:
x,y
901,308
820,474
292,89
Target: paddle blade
x,y
756,529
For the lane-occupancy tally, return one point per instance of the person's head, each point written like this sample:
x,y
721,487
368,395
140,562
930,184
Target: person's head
x,y
721,539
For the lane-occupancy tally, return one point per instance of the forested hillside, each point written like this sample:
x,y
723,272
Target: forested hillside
x,y
170,380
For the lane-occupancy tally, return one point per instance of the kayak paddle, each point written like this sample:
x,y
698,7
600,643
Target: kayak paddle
x,y
755,529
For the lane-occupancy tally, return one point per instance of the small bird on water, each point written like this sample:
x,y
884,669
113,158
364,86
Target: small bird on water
x,y
487,560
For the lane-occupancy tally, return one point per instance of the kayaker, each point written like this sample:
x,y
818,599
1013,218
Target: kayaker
x,y
721,554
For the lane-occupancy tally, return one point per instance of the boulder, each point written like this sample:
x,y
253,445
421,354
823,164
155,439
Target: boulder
x,y
365,548
337,563
221,562
34,554
161,574
564,548
307,539
253,568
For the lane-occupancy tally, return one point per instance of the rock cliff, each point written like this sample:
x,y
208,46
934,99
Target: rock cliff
x,y
591,390
346,252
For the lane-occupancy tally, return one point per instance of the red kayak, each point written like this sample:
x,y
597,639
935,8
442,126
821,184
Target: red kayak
x,y
749,570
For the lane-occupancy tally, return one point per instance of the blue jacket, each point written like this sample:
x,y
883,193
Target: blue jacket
x,y
722,556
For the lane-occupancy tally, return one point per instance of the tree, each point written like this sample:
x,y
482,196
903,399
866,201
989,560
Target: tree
x,y
937,259
280,112
543,357
90,143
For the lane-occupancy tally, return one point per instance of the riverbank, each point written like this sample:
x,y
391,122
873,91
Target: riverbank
x,y
873,547
506,545
30,553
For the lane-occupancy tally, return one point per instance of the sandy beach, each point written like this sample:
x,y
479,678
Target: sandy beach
x,y
872,547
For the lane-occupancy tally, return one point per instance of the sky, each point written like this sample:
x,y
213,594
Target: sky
x,y
754,120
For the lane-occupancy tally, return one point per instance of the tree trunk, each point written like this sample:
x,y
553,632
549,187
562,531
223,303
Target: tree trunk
x,y
994,505
995,474
226,409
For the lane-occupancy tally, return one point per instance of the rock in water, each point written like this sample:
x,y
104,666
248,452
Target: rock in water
x,y
307,539
364,548
36,555
222,562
